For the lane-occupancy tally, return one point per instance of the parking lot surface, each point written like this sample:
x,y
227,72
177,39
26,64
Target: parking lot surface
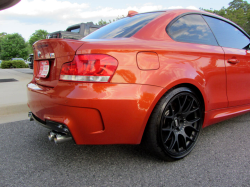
x,y
221,158
13,95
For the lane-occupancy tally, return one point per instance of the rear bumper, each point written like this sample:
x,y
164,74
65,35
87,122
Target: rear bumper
x,y
96,113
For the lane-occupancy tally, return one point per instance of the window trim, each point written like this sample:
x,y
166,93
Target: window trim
x,y
204,14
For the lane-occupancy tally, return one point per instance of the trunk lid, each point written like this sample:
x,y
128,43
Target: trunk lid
x,y
54,52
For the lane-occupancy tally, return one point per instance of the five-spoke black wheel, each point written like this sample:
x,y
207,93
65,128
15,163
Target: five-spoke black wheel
x,y
175,124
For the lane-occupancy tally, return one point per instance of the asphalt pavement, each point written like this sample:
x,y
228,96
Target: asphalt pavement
x,y
221,158
13,95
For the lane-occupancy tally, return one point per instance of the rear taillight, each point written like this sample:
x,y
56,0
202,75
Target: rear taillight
x,y
89,68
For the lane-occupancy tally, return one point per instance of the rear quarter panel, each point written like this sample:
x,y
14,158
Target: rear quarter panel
x,y
200,65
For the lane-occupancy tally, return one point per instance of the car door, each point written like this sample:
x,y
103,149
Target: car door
x,y
235,44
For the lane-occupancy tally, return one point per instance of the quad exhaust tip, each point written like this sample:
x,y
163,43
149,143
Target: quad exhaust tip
x,y
51,136
30,116
58,138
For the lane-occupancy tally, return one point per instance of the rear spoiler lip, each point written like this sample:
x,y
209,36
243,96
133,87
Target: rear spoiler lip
x,y
55,48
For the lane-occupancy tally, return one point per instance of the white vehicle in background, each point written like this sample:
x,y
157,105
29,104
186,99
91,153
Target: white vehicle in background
x,y
18,59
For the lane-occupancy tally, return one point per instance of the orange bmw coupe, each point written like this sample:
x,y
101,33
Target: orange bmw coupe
x,y
155,78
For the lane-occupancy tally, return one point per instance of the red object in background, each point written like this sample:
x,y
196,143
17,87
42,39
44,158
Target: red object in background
x,y
140,70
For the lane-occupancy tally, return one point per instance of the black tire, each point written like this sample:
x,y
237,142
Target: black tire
x,y
174,125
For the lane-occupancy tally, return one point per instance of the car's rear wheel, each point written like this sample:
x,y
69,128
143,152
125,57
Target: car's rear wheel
x,y
175,124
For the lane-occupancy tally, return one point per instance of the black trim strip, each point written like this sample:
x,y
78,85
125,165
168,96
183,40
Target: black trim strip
x,y
211,30
53,125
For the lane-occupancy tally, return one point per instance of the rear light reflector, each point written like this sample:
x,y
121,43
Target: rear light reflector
x,y
89,68
85,78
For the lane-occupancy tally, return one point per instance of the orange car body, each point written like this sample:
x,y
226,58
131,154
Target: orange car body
x,y
149,64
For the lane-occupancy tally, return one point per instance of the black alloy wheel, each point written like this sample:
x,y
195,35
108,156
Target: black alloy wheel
x,y
180,125
175,124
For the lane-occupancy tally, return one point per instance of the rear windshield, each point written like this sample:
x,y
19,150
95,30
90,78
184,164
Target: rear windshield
x,y
124,28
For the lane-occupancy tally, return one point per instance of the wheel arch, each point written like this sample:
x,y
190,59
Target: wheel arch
x,y
195,88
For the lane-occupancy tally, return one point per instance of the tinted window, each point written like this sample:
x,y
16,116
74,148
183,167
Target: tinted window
x,y
226,34
192,29
124,28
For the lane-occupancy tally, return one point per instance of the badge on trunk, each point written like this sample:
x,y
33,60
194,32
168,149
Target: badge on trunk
x,y
43,69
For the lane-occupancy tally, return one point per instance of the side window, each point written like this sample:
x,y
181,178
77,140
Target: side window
x,y
192,29
226,34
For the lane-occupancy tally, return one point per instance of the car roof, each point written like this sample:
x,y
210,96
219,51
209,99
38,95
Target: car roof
x,y
177,13
189,11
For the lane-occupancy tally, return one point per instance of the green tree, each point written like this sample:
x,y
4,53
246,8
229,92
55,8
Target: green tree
x,y
13,45
37,35
2,34
104,22
239,4
238,12
1,37
29,48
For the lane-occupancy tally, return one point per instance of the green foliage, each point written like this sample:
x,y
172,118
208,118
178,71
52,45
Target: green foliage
x,y
238,12
239,4
29,48
37,35
2,34
13,45
103,22
13,64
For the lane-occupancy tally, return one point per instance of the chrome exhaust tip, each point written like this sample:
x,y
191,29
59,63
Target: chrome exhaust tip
x,y
61,138
51,136
30,116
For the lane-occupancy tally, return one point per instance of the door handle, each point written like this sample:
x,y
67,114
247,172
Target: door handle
x,y
233,61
